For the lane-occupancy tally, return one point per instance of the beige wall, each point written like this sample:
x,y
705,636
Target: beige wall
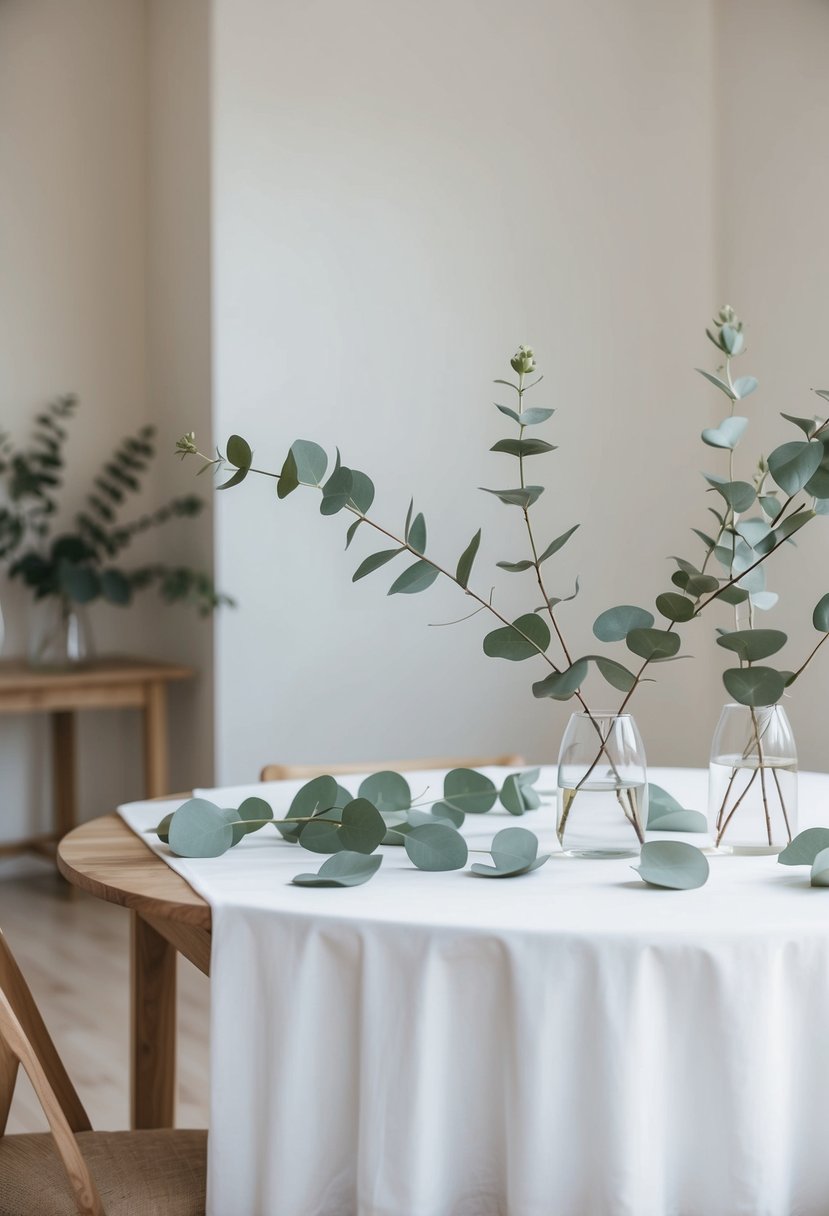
x,y
401,195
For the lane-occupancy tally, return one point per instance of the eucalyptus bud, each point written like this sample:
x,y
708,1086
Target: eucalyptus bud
x,y
186,446
523,361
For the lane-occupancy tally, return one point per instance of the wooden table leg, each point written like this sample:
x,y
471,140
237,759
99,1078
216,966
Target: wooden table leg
x,y
155,741
63,771
153,1047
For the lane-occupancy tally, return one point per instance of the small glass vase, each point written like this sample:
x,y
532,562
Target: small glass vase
x,y
60,635
602,787
752,780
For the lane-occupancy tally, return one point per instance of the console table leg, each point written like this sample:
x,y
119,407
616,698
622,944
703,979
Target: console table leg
x,y
63,771
155,741
153,1046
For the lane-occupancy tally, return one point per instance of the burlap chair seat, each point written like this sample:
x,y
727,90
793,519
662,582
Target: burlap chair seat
x,y
146,1173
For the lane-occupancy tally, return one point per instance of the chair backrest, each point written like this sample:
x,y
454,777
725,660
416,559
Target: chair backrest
x,y
25,1040
304,772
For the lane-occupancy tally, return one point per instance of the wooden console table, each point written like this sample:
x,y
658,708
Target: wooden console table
x,y
112,683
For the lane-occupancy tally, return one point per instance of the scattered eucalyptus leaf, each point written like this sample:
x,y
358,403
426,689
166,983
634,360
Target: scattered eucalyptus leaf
x,y
805,847
665,814
388,791
253,813
673,865
317,795
514,852
357,828
436,846
469,791
199,829
807,425
342,870
820,869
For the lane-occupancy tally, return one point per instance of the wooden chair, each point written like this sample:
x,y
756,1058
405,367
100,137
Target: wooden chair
x,y
304,772
143,1173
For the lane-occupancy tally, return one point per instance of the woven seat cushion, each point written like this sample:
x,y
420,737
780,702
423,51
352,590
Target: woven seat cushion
x,y
147,1173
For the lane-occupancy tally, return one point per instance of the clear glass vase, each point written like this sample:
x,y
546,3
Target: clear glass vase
x,y
60,635
752,780
602,787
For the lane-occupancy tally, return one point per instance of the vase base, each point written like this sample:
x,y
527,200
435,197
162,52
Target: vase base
x,y
748,850
601,854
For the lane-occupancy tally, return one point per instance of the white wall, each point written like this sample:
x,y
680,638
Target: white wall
x,y
401,195
773,183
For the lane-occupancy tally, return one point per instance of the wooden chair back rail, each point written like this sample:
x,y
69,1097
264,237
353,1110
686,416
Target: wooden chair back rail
x,y
304,772
16,1043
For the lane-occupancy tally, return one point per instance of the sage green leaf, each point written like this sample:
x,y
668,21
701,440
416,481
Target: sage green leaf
x,y
514,567
727,434
820,869
231,816
733,595
820,616
408,517
310,460
351,533
822,506
701,584
805,847
288,480
653,644
358,828
115,587
665,814
251,814
822,392
469,791
562,599
417,818
236,479
336,491
675,607
786,528
764,599
514,852
807,425
414,578
239,452
199,829
718,383
362,491
388,791
417,533
732,339
771,505
341,870
616,674
707,540
792,464
505,409
754,685
445,812
562,685
522,447
316,796
373,562
614,624
467,560
436,846
523,639
558,543
163,829
517,796
523,497
534,416
753,644
753,530
672,865
818,483
738,494
322,834
744,386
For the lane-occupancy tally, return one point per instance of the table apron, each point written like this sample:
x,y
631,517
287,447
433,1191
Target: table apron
x,y
45,700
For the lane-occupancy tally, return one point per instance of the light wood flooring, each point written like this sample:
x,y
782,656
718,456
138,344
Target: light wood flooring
x,y
74,952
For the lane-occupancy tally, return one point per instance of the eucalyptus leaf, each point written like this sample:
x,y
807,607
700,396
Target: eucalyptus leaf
x,y
820,616
514,567
739,495
239,452
792,464
558,543
753,530
675,607
342,870
771,505
516,797
514,852
469,791
163,829
744,386
388,791
357,828
510,413
417,533
701,584
336,491
310,461
753,644
754,686
445,812
522,447
673,865
414,578
820,870
562,685
653,644
734,595
665,814
251,812
786,528
523,497
532,417
236,479
805,847
467,560
351,533
614,624
763,599
718,383
727,434
525,638
317,795
373,562
436,847
288,479
362,491
807,425
199,829
732,339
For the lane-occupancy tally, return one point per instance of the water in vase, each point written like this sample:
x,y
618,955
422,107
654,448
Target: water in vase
x,y
754,804
602,819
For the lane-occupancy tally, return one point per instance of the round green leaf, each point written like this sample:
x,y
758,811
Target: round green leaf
x,y
115,587
362,491
310,461
820,869
199,829
436,847
342,870
251,814
561,685
727,434
80,583
792,464
239,452
805,847
672,865
388,791
514,852
525,638
447,813
675,607
614,624
739,495
336,491
317,795
616,674
517,797
753,644
665,814
653,644
532,417
754,686
469,791
744,386
522,447
820,616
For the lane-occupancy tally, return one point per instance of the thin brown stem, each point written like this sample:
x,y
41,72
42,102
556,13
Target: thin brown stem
x,y
782,804
736,805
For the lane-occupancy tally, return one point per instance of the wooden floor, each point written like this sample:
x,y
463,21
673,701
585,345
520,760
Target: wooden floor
x,y
74,951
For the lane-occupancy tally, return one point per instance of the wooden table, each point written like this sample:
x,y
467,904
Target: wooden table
x,y
109,861
112,683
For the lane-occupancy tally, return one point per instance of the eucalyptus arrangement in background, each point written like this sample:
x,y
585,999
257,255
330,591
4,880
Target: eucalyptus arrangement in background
x,y
69,570
603,793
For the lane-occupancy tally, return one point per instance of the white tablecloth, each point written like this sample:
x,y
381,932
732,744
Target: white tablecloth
x,y
570,1043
